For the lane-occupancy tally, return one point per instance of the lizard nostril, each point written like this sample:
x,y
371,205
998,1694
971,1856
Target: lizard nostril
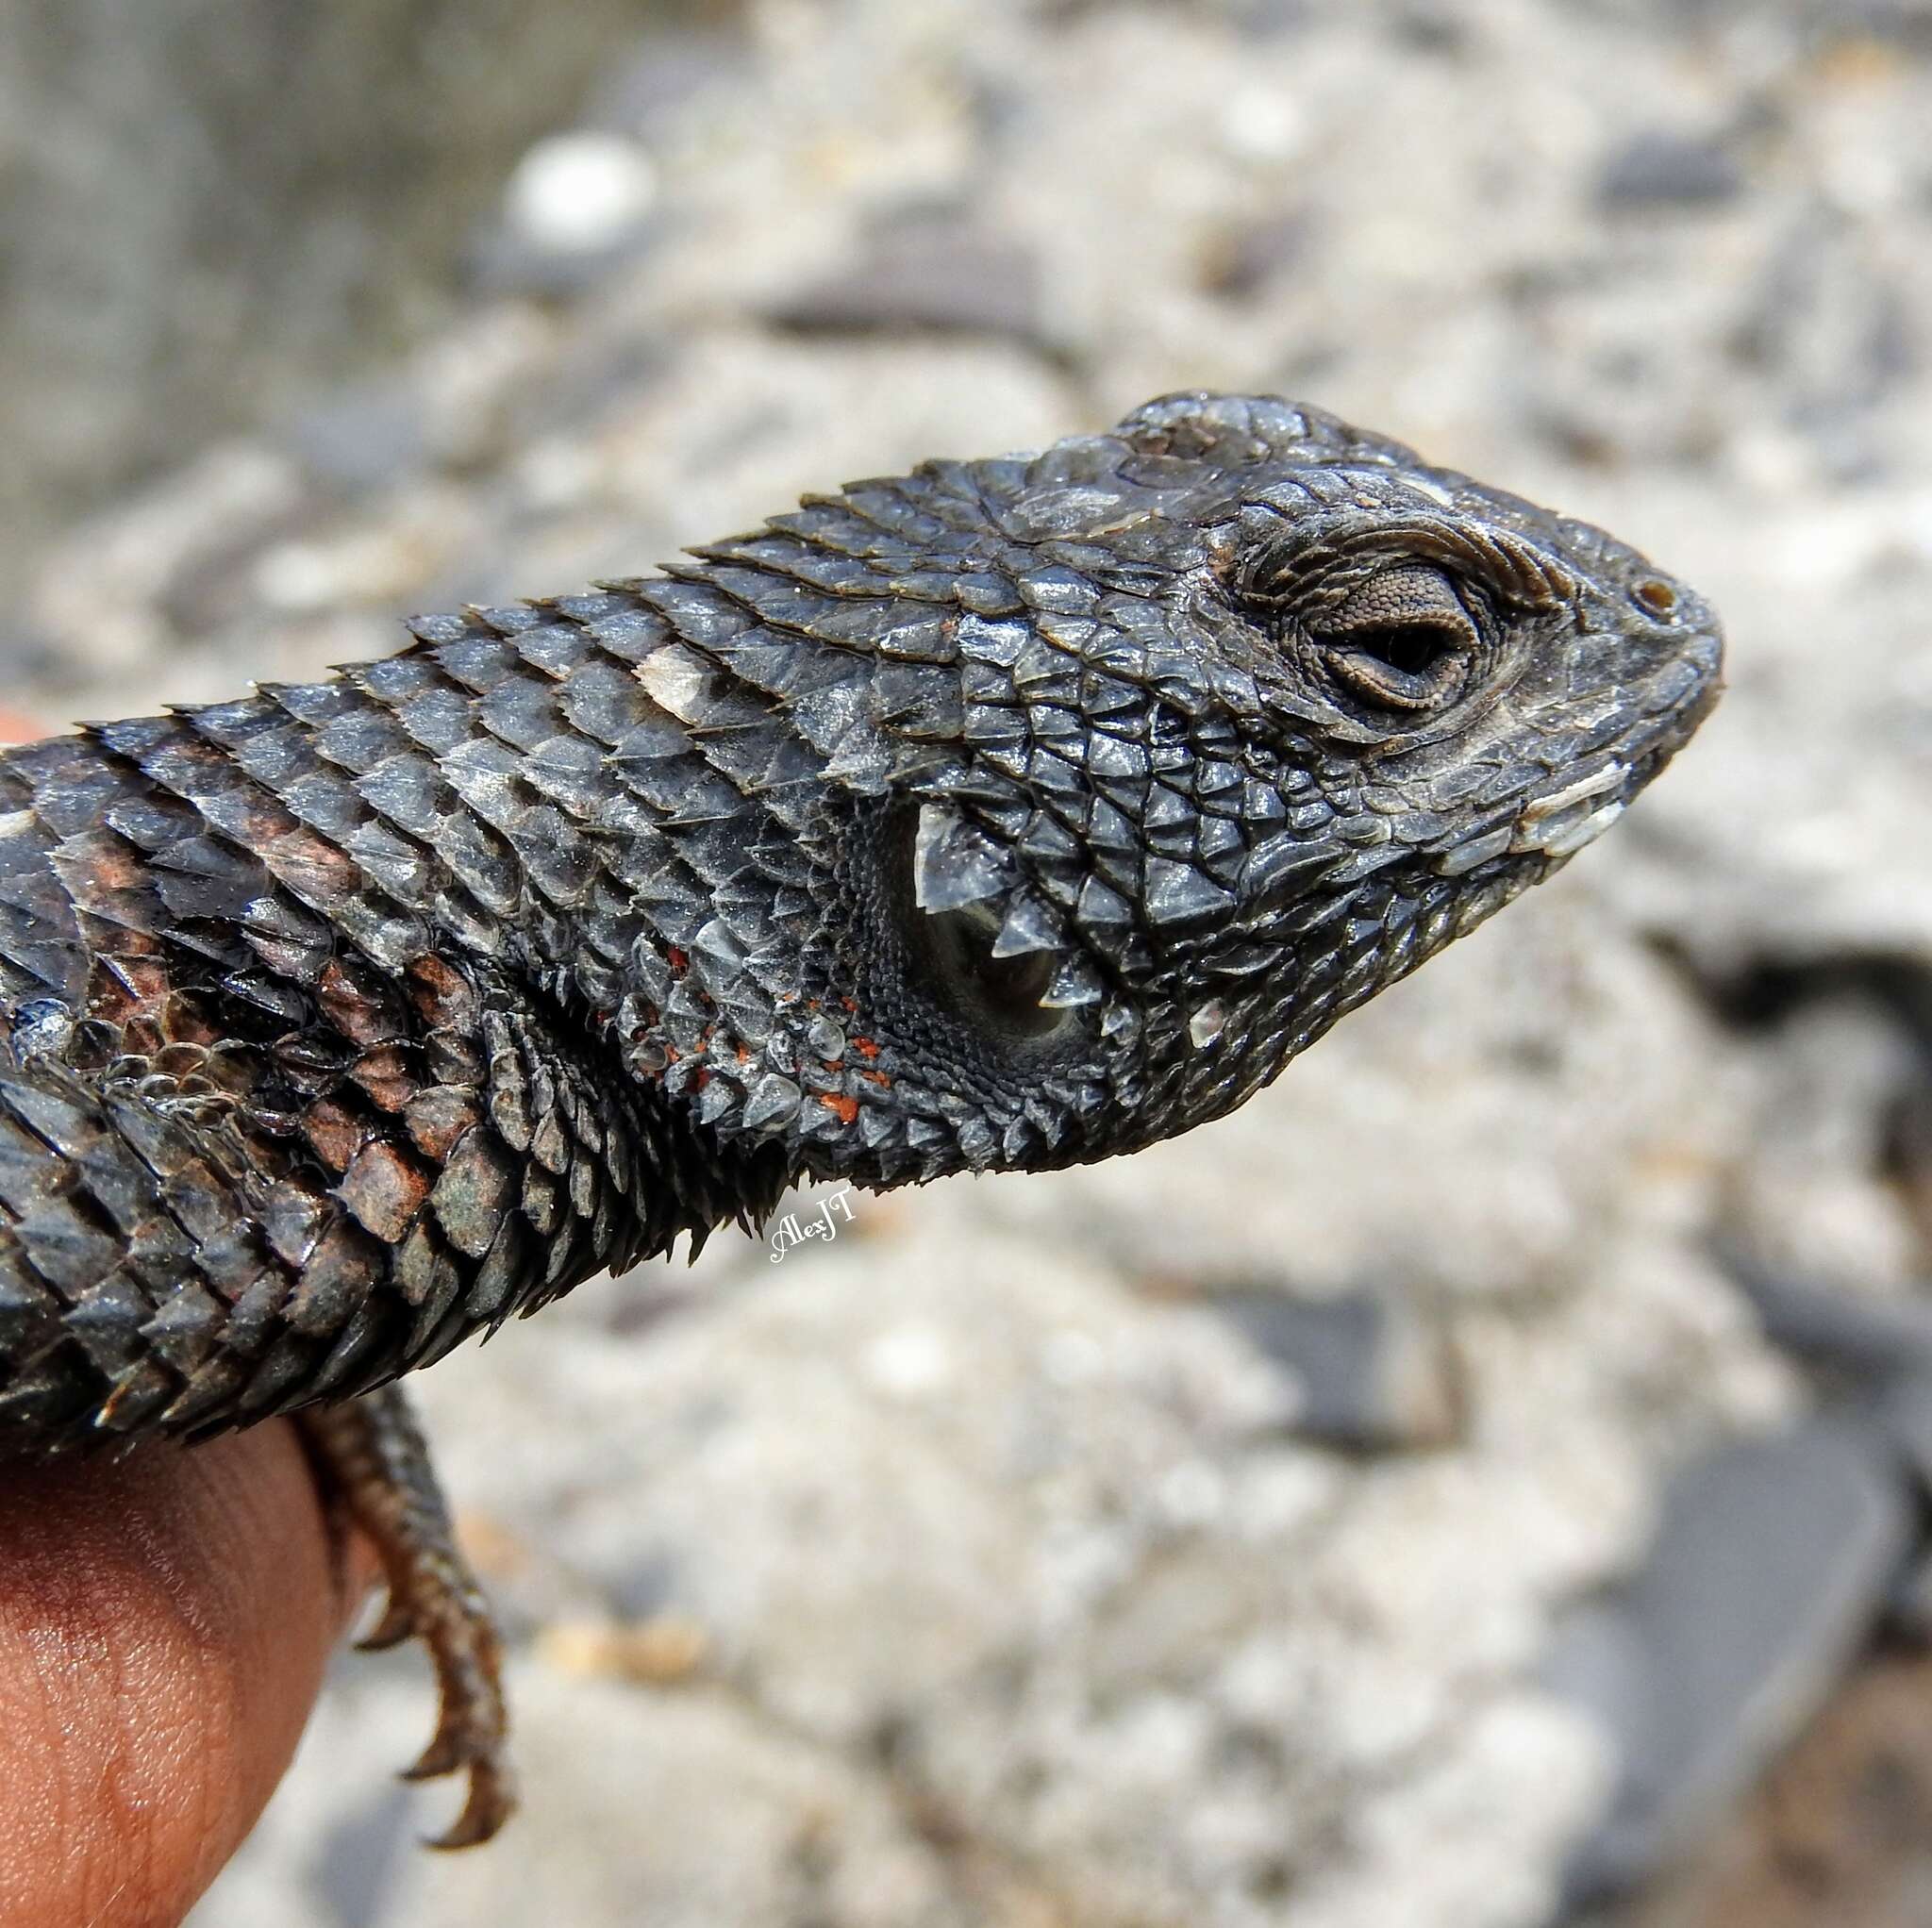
x,y
1660,598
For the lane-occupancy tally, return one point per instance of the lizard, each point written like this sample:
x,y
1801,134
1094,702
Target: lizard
x,y
1000,816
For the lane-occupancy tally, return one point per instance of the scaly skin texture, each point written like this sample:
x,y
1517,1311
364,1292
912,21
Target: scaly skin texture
x,y
1006,815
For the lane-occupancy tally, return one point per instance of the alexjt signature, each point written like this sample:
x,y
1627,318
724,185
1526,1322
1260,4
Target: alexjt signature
x,y
791,1230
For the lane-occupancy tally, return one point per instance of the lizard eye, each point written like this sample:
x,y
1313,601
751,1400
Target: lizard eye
x,y
1002,993
1404,640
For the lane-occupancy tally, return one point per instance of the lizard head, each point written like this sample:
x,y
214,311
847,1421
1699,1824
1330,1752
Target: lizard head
x,y
1151,755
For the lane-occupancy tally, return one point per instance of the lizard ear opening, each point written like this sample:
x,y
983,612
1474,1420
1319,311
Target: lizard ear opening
x,y
1002,993
962,884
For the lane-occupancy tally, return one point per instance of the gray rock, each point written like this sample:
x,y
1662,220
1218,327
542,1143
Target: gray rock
x,y
918,275
1771,1564
357,1860
1371,1373
653,87
364,437
1901,1412
1874,1341
1658,169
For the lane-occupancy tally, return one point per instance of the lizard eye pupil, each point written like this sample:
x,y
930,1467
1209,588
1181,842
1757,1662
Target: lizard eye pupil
x,y
1413,651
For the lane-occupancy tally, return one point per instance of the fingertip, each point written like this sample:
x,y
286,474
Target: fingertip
x,y
164,1625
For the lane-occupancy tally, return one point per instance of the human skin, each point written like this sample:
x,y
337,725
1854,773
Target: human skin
x,y
165,1620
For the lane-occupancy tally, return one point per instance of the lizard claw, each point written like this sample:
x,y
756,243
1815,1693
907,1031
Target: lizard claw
x,y
491,1801
379,1466
395,1626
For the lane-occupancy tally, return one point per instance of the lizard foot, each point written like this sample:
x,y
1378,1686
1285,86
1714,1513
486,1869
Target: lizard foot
x,y
378,1461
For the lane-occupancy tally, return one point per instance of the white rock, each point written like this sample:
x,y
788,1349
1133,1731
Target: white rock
x,y
577,192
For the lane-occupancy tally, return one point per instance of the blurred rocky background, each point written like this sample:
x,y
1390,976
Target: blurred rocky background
x,y
1483,1484
207,208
